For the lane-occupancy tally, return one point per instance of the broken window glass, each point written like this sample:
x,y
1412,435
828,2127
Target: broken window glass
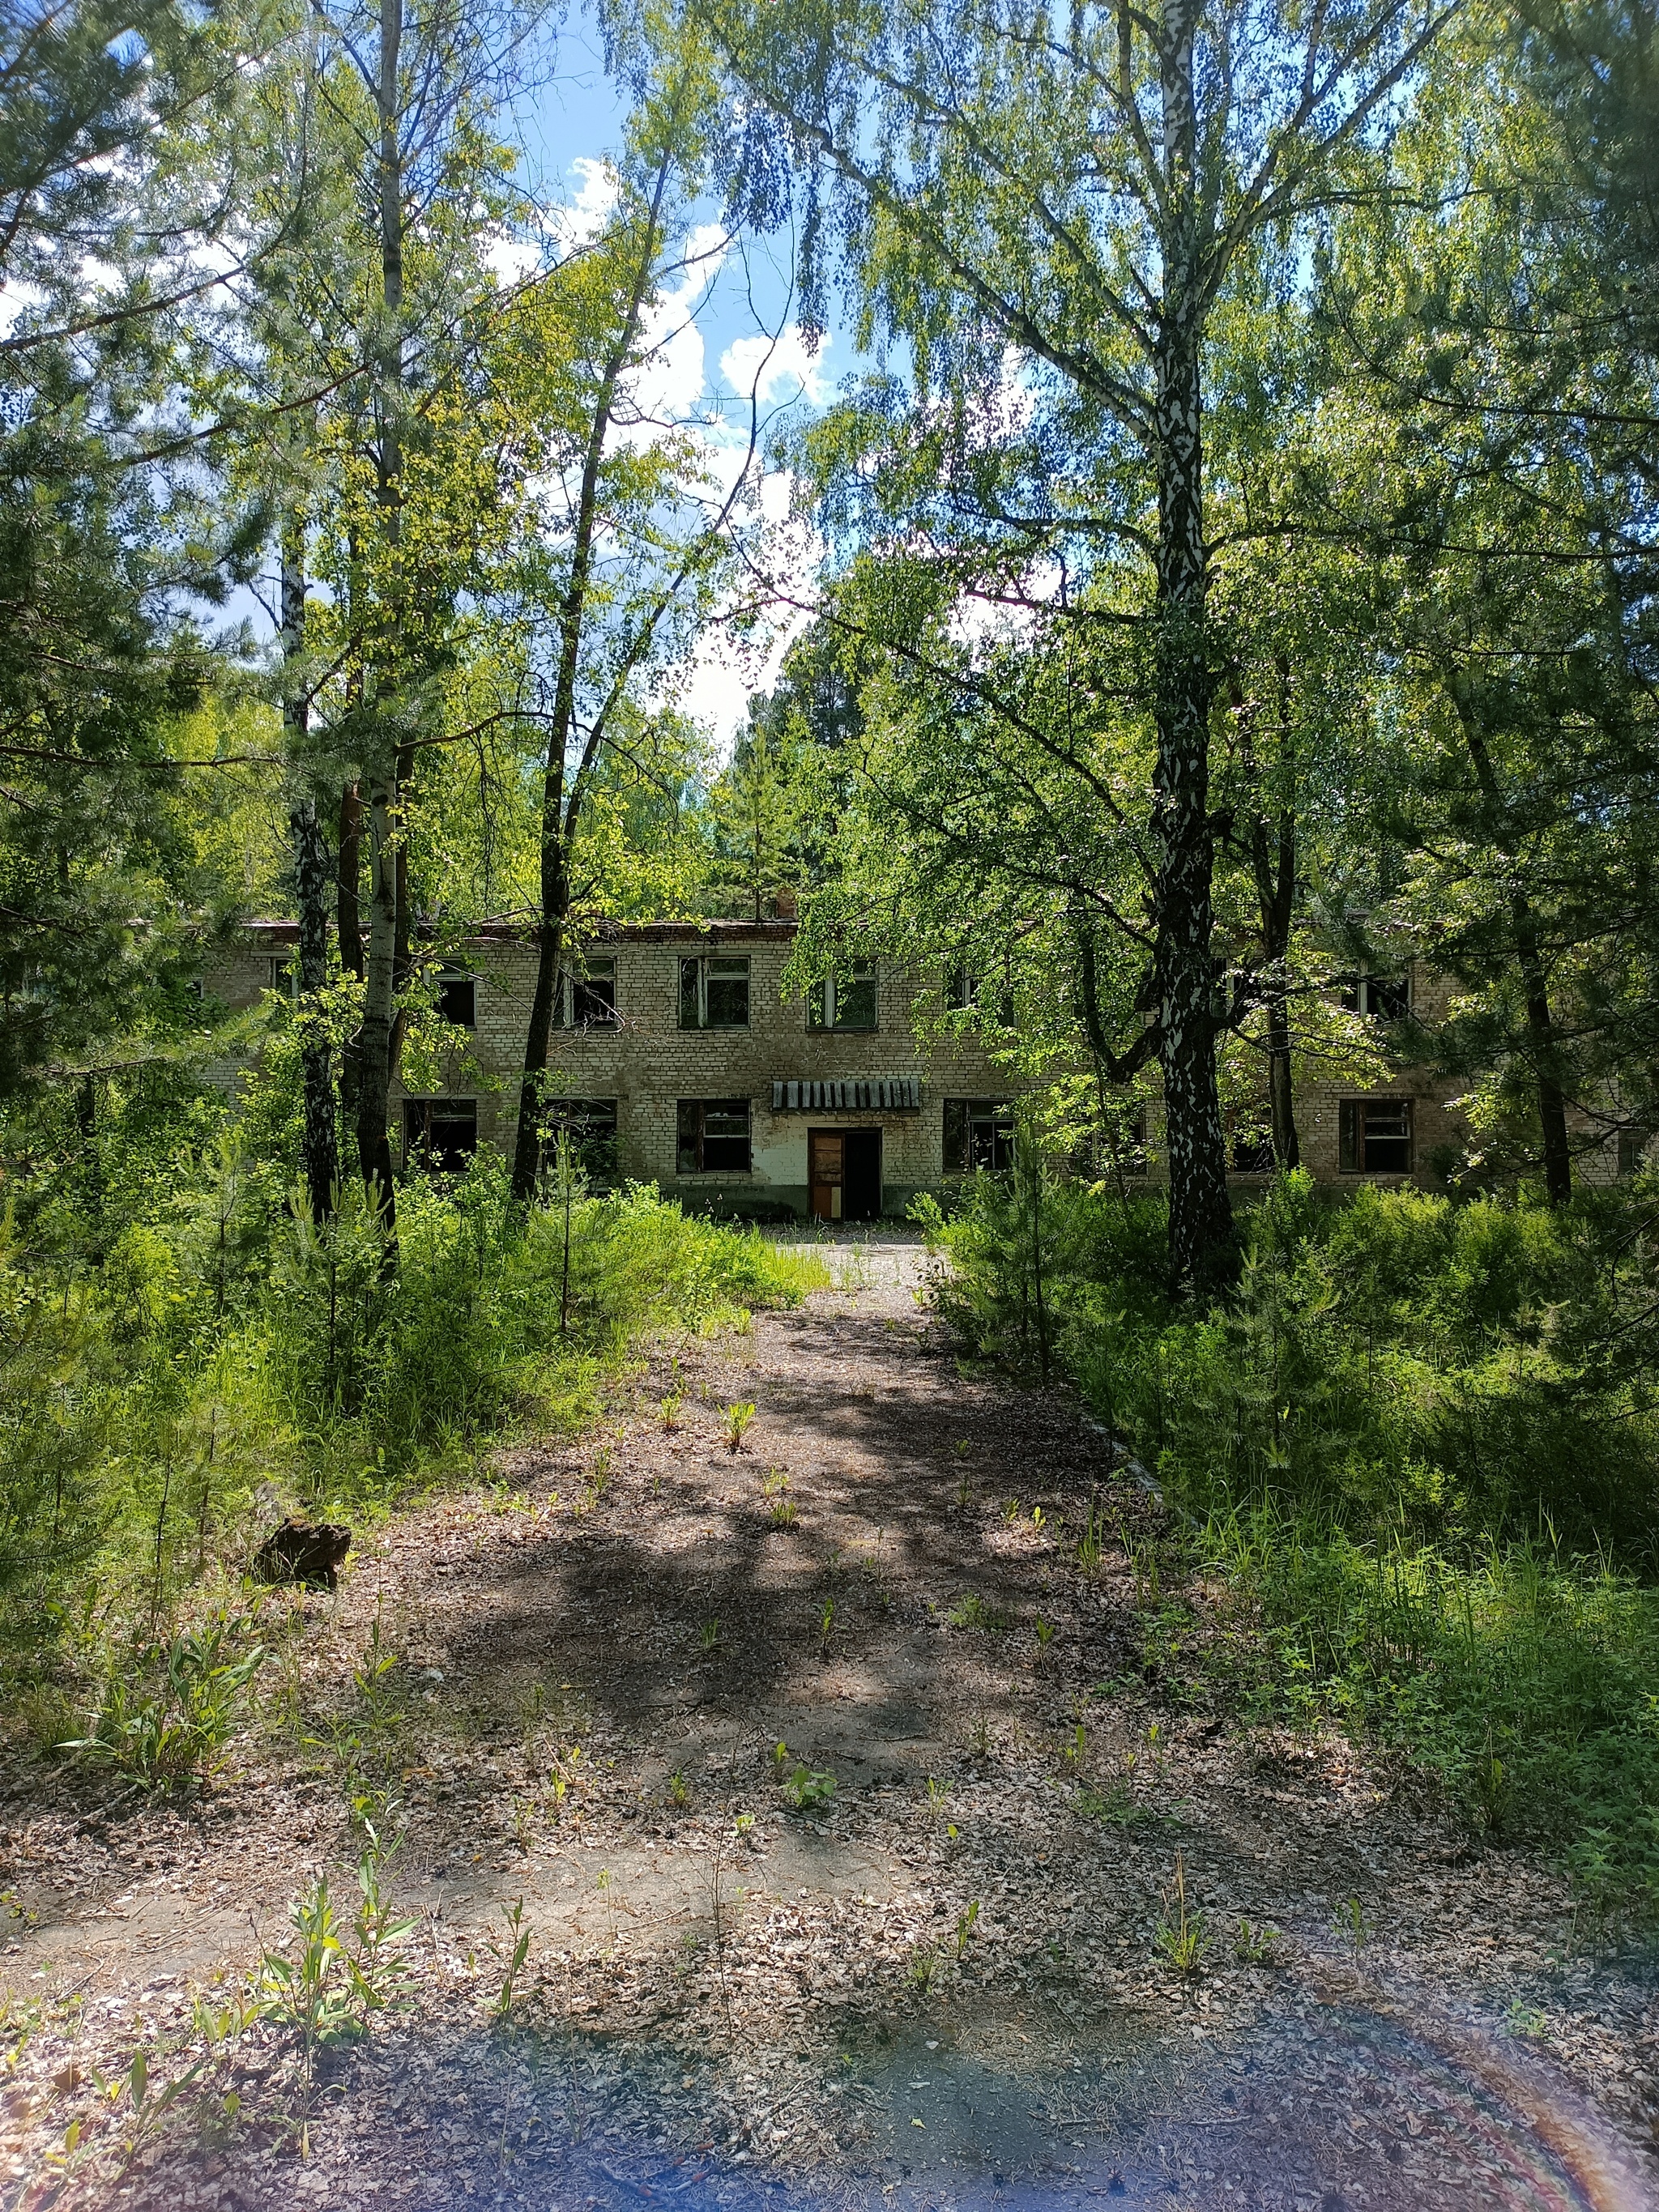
x,y
715,993
1374,1136
711,1136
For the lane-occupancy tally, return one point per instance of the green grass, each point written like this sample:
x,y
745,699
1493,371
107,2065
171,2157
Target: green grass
x,y
1414,1456
218,1357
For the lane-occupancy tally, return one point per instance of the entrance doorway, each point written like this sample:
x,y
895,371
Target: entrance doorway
x,y
844,1173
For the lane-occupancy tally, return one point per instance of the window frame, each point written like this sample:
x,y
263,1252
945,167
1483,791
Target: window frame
x,y
695,969
582,1003
1354,1139
453,1158
1355,991
993,1115
456,979
594,1125
692,1138
823,1004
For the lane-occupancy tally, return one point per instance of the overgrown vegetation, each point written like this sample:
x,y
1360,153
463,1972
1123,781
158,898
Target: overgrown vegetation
x,y
1408,1462
186,1354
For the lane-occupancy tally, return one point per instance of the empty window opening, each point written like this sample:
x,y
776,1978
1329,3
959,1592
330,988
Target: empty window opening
x,y
441,1133
1374,1136
590,1125
1249,1151
588,1001
458,1000
715,993
844,1002
711,1136
978,1136
1384,998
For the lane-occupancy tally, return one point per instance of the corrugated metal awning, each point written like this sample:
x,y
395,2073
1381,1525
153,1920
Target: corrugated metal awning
x,y
863,1094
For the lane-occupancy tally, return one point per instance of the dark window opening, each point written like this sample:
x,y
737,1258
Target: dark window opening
x,y
589,1000
1374,1136
978,1136
845,1002
714,993
284,974
441,1133
711,1136
1251,1155
1632,1148
591,1127
1384,998
458,1000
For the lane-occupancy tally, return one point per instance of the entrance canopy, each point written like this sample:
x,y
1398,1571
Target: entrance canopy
x,y
864,1094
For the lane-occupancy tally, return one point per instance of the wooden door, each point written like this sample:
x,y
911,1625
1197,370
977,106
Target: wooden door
x,y
825,1172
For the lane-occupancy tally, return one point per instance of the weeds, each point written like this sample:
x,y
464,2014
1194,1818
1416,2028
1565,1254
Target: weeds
x,y
1117,1806
976,1611
737,1417
708,1639
967,1921
1180,1935
810,1789
511,1951
177,1733
1255,1946
679,1789
668,1410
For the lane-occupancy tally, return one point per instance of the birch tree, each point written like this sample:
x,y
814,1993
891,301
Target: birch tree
x,y
1075,193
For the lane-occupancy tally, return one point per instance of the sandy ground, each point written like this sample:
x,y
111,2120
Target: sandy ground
x,y
942,1984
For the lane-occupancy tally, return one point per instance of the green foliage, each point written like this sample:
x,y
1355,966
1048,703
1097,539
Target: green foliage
x,y
178,1732
229,1353
1404,1365
809,1789
1414,1450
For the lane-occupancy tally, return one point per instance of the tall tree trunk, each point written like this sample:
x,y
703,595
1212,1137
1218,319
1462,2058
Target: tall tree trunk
x,y
561,808
375,1041
375,1035
311,883
1202,1252
349,923
1275,884
1542,1042
550,955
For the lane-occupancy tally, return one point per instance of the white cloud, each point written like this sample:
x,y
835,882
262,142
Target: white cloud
x,y
674,377
581,220
775,369
510,260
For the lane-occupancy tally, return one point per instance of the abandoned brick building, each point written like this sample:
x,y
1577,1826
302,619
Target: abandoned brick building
x,y
679,1061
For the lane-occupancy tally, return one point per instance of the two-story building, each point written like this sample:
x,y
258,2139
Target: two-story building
x,y
678,1059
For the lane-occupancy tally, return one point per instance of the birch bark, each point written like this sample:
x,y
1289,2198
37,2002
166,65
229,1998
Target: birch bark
x,y
1202,1253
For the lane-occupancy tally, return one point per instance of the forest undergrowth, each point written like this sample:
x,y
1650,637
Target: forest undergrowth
x,y
186,1356
1409,1461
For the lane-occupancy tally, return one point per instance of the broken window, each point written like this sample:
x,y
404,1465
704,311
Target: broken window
x,y
1374,1136
715,993
441,1133
457,1000
588,1001
1251,1152
711,1136
978,1136
284,973
591,1125
845,1002
1384,998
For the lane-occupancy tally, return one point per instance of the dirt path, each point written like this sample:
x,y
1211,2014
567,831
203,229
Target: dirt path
x,y
943,1984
